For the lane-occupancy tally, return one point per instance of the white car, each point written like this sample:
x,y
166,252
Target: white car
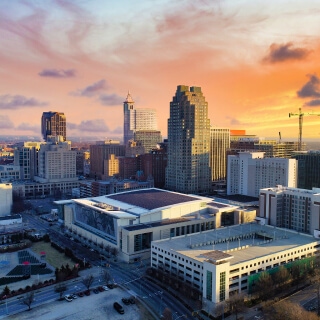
x,y
105,288
68,297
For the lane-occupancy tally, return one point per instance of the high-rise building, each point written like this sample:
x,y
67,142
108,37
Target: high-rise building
x,y
56,162
136,119
53,124
148,139
309,169
219,144
26,157
248,172
291,208
188,168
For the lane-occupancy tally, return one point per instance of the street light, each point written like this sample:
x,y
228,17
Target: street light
x,y
6,304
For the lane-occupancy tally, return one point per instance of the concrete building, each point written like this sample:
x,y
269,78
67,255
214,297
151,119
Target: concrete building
x,y
57,162
136,119
53,124
154,164
277,149
229,260
309,169
291,208
219,144
103,187
249,172
130,220
5,199
188,169
26,156
9,173
100,153
31,189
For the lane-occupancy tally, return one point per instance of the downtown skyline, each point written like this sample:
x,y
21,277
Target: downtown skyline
x,y
255,63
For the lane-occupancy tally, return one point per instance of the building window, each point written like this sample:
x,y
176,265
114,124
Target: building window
x,y
222,286
209,285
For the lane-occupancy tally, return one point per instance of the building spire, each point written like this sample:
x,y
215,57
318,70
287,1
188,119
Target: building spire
x,y
129,98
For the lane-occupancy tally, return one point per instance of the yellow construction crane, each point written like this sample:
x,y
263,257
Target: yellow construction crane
x,y
301,115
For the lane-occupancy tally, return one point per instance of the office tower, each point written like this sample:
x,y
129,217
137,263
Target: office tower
x,y
53,124
248,172
291,208
136,119
148,139
219,144
57,162
100,153
26,157
188,169
309,169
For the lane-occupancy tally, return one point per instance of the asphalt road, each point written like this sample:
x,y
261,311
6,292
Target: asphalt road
x,y
128,276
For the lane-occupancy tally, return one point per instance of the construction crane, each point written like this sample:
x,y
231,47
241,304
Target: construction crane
x,y
301,115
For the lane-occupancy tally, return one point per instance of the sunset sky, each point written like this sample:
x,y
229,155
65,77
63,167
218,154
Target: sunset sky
x,y
256,61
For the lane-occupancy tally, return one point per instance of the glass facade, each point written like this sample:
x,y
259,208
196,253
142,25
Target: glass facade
x,y
222,286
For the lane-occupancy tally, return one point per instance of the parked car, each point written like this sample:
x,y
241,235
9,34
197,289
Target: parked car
x,y
87,292
100,289
96,291
105,288
132,300
125,301
68,297
118,307
110,285
80,294
74,296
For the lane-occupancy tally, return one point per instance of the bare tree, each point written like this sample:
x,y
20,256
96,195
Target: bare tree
x,y
106,276
282,278
287,310
115,252
28,299
264,286
219,309
235,303
167,314
87,281
60,288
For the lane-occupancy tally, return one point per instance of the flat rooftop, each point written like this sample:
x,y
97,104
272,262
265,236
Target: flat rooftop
x,y
243,242
152,198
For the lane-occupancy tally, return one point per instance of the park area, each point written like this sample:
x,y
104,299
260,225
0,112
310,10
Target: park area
x,y
52,256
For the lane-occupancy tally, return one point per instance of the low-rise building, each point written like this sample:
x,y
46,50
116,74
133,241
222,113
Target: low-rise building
x,y
229,260
130,220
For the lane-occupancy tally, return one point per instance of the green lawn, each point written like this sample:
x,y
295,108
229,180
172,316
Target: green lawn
x,y
53,256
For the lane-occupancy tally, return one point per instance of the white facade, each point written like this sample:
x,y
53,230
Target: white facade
x,y
9,173
130,220
224,261
291,208
57,162
5,199
248,172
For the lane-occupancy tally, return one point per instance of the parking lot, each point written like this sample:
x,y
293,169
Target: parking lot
x,y
95,306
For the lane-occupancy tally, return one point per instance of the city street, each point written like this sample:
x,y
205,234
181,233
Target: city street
x,y
128,277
